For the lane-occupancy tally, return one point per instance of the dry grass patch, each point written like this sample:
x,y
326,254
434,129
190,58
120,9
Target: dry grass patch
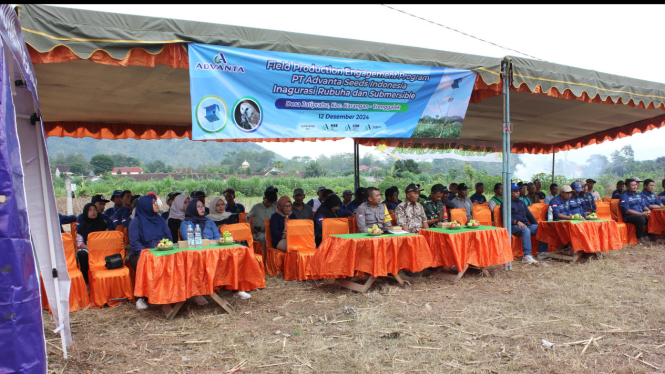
x,y
482,324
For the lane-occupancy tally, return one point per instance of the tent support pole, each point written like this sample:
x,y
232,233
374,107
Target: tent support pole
x,y
356,165
506,75
553,167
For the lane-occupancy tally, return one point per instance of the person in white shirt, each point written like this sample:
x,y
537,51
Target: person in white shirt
x,y
554,191
590,183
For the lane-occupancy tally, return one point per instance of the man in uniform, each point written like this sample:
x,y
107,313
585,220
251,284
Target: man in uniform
x,y
353,205
524,225
116,198
587,199
231,205
575,202
409,214
462,202
554,190
435,208
372,212
315,203
497,199
635,211
621,188
121,215
478,197
300,209
560,204
347,197
262,212
652,201
540,193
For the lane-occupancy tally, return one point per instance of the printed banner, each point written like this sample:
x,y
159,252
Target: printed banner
x,y
421,149
250,94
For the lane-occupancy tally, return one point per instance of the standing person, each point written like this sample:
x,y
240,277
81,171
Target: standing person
x,y
195,215
315,203
262,212
328,209
231,205
116,198
392,199
539,185
283,212
372,212
590,185
554,191
635,211
435,209
531,193
478,197
587,199
300,209
410,215
661,195
497,199
218,213
651,200
560,204
575,202
347,197
621,188
523,197
177,214
452,191
122,215
92,222
169,201
145,231
524,225
462,202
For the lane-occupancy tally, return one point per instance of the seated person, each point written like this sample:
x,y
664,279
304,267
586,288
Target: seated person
x,y
560,204
635,211
554,191
328,209
372,212
201,196
92,222
116,198
123,213
661,195
462,202
100,203
435,209
478,197
652,201
524,225
300,209
523,197
391,201
539,186
315,203
531,193
575,202
353,205
169,202
497,199
195,216
347,197
590,183
410,215
135,200
218,213
587,199
177,214
63,219
452,191
262,212
446,194
284,212
621,188
231,205
145,231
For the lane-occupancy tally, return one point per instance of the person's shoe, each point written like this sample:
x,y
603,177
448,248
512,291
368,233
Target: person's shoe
x,y
200,300
141,304
641,241
529,259
241,295
543,256
166,308
647,239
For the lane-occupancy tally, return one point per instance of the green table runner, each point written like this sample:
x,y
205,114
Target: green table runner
x,y
365,236
463,229
579,220
157,252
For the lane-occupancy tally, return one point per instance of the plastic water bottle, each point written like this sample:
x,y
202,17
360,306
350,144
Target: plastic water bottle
x,y
190,236
197,236
550,214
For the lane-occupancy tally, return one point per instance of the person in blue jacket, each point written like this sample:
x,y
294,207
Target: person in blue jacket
x,y
116,198
354,204
65,220
560,204
121,215
524,225
635,211
328,209
478,197
195,215
588,200
621,188
661,195
575,202
392,199
652,201
347,197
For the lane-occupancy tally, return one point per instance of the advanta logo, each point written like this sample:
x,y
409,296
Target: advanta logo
x,y
220,64
219,59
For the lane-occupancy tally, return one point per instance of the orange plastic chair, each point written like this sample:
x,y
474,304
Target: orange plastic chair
x,y
393,219
242,217
107,286
603,210
607,199
301,247
353,225
241,231
78,292
334,226
458,215
626,230
482,214
73,232
274,257
537,211
515,241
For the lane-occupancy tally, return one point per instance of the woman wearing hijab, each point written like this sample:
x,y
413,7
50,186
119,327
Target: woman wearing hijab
x,y
145,231
218,213
177,214
328,209
195,215
91,222
278,222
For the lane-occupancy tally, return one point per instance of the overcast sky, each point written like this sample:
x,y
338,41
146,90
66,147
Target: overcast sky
x,y
613,39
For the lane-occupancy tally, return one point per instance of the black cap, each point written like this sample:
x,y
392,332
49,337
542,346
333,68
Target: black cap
x,y
136,197
116,193
413,188
590,181
197,194
172,195
462,186
98,198
193,194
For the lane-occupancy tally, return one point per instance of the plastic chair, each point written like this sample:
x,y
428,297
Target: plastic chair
x,y
334,226
458,215
242,231
301,247
393,219
607,199
537,211
73,233
626,230
515,241
78,292
603,210
482,214
242,217
107,286
274,257
353,224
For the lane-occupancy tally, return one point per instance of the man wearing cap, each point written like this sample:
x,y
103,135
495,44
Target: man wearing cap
x,y
357,202
539,185
262,212
435,209
478,197
372,212
300,209
100,203
560,204
524,225
316,202
638,181
635,211
409,214
554,191
575,202
523,197
652,201
621,188
590,183
231,205
462,202
121,215
169,202
497,199
343,210
587,199
116,198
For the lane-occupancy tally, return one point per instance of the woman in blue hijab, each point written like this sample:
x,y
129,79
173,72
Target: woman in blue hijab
x,y
145,231
194,215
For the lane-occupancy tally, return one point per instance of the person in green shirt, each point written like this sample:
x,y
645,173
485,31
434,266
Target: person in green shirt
x,y
435,209
497,199
262,212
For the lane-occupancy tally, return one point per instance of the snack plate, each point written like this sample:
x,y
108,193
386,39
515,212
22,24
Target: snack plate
x,y
377,234
592,218
454,228
471,227
165,248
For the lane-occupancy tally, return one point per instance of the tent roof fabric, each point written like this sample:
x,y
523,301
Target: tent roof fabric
x,y
141,85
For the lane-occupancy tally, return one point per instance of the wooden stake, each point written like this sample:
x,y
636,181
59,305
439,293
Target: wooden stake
x,y
587,345
430,348
642,361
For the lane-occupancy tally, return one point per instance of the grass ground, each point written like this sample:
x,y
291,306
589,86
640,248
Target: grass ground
x,y
492,324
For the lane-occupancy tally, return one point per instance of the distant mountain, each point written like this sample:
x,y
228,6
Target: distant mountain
x,y
175,152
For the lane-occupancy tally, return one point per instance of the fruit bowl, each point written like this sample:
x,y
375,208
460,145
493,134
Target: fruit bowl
x,y
454,228
164,248
375,234
592,218
471,227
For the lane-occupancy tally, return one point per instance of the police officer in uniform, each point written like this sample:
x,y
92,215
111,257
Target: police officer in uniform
x,y
372,212
651,200
575,202
560,204
635,211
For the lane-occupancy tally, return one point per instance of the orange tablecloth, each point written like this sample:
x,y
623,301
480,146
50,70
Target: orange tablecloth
x,y
588,236
341,256
487,247
170,279
657,222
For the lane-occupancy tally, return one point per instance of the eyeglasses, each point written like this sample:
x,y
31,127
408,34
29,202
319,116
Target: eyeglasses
x,y
288,206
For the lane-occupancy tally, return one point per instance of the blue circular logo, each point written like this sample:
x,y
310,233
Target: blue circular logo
x,y
211,114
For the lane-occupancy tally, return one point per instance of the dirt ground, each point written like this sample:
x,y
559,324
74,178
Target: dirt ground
x,y
482,324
